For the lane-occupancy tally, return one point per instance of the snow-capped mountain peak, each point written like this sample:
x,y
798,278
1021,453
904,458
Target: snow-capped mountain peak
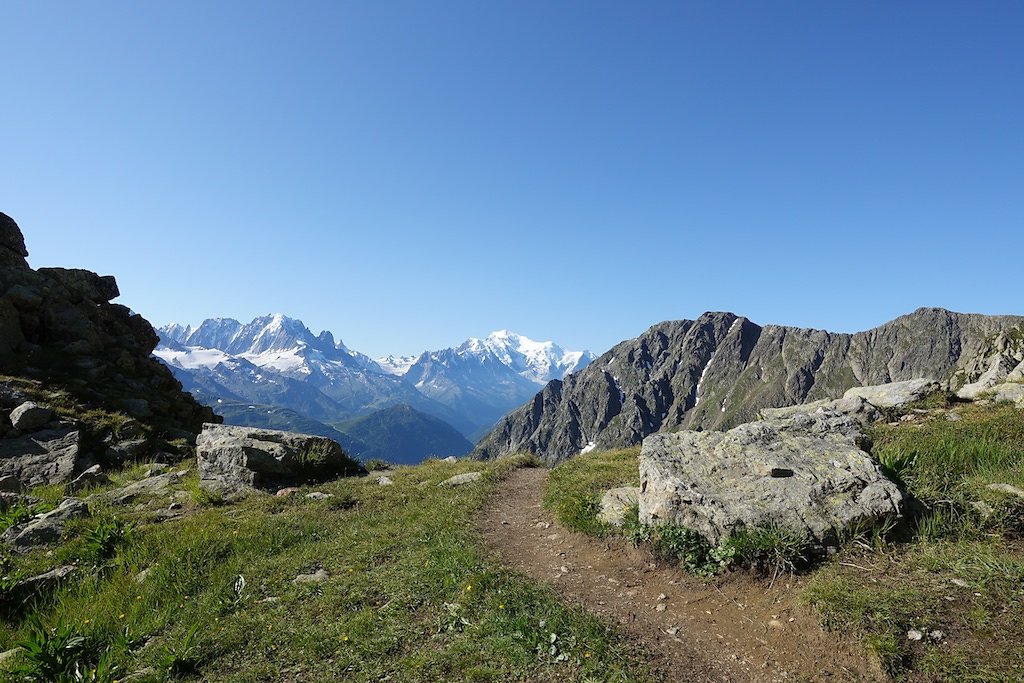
x,y
539,362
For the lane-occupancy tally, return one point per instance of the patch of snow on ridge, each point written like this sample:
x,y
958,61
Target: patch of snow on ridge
x,y
591,445
703,374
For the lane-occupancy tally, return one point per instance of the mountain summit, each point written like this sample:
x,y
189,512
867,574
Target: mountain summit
x,y
483,379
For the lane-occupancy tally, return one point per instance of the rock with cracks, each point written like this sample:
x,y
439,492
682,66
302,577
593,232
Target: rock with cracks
x,y
233,460
894,394
50,456
805,472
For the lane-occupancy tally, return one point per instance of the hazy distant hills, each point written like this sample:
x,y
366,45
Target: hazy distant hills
x,y
402,435
276,362
719,370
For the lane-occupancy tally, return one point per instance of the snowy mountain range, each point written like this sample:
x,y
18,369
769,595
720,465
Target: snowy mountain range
x,y
276,361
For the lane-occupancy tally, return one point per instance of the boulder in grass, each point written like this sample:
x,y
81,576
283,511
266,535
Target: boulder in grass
x,y
233,460
805,473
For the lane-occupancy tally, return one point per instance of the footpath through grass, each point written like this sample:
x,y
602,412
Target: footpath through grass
x,y
952,571
409,594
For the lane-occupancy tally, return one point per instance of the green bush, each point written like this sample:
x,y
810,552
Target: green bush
x,y
768,549
692,550
103,539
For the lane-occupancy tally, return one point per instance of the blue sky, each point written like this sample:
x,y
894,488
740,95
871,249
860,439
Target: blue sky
x,y
408,174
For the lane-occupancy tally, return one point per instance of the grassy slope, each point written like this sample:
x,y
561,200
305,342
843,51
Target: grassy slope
x,y
880,588
411,594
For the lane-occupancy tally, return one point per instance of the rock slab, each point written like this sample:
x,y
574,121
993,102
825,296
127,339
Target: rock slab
x,y
806,472
233,459
49,456
894,394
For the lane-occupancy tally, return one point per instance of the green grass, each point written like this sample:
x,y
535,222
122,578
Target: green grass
x,y
411,594
880,593
575,487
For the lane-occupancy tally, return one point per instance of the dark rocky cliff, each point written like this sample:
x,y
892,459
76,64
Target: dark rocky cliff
x,y
718,371
58,327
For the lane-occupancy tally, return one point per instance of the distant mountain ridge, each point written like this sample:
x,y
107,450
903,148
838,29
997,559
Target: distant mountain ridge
x,y
719,370
276,361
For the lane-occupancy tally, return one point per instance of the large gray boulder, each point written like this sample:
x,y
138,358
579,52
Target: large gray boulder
x,y
807,472
233,459
50,456
894,394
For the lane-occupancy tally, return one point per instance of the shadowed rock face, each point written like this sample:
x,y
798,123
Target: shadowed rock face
x,y
718,371
57,325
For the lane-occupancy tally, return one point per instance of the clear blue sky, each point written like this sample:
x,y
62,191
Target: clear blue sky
x,y
408,174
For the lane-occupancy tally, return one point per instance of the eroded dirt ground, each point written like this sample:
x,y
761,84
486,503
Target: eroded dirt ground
x,y
734,629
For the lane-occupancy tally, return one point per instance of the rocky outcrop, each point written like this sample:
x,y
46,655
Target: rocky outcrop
x,y
45,528
234,460
720,370
58,326
49,456
806,472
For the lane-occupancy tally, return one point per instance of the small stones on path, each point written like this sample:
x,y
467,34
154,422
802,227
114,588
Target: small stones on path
x,y
660,607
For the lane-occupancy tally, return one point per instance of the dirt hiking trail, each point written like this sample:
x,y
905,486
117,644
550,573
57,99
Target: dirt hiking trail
x,y
733,629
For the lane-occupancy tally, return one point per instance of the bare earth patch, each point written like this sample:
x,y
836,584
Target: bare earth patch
x,y
733,629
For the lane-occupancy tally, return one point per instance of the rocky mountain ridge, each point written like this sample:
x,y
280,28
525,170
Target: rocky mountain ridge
x,y
718,371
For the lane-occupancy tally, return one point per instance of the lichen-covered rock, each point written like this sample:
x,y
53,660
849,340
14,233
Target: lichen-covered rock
x,y
894,394
50,456
854,406
234,460
805,472
29,416
615,502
